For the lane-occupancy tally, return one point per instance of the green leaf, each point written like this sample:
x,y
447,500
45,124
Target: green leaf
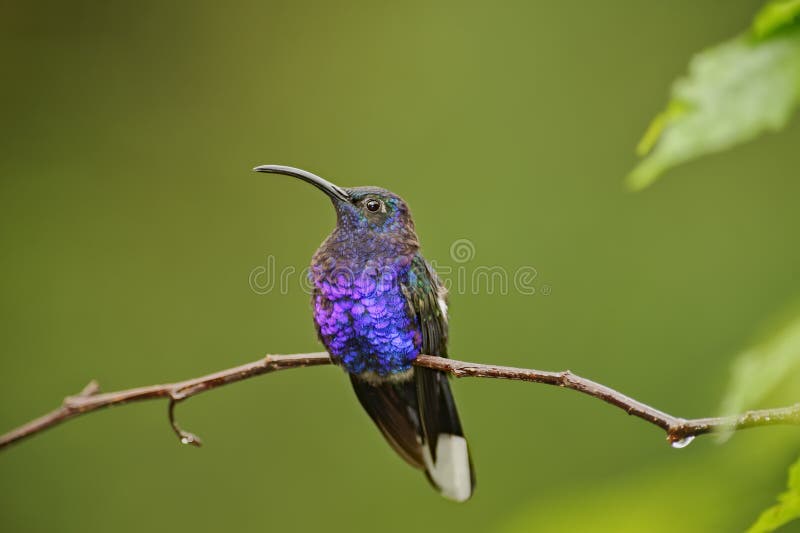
x,y
787,508
760,370
775,16
733,92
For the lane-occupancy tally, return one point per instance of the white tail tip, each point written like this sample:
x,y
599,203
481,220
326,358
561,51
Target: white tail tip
x,y
451,472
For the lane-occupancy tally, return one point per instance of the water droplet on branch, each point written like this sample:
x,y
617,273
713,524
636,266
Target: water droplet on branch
x,y
190,438
682,443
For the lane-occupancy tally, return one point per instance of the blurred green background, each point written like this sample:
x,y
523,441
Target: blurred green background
x,y
130,222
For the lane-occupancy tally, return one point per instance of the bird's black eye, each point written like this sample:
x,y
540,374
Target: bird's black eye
x,y
373,205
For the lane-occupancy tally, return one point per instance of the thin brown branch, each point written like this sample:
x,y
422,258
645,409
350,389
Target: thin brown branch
x,y
88,400
679,431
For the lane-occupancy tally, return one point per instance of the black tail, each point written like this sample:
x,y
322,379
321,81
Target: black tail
x,y
418,418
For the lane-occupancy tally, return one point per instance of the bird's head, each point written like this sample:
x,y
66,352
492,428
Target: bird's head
x,y
360,210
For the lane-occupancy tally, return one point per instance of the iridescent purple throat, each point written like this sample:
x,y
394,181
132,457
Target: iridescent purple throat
x,y
363,317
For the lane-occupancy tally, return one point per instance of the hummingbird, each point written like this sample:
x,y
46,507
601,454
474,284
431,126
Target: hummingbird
x,y
377,305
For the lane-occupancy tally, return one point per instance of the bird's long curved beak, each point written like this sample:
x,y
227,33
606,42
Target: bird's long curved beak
x,y
334,191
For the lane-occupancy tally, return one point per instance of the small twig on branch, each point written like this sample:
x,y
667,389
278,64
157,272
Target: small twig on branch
x,y
679,431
